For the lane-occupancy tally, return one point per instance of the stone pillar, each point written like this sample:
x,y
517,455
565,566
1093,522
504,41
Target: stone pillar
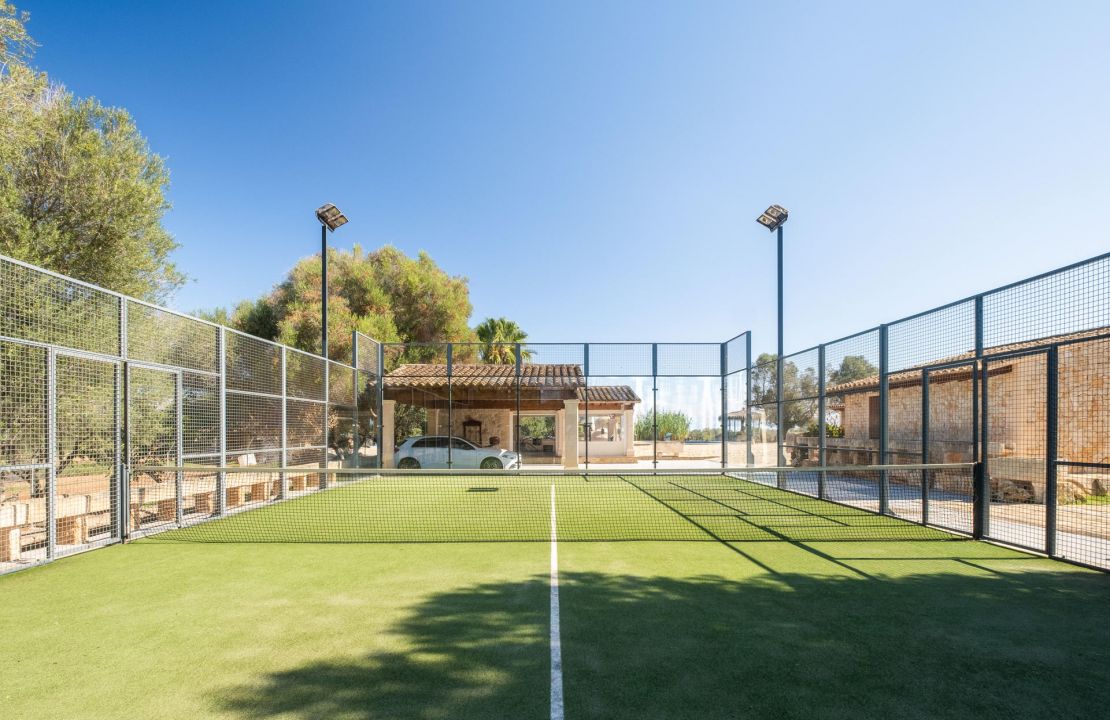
x,y
386,450
559,433
570,434
629,432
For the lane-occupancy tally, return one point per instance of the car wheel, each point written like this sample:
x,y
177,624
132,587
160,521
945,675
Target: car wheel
x,y
491,463
408,463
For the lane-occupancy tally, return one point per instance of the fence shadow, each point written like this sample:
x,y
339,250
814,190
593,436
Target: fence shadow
x,y
998,644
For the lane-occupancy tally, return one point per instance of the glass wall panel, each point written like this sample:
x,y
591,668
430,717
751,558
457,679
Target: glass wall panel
x,y
416,412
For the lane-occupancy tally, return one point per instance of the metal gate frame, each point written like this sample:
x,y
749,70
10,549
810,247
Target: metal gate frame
x,y
119,465
126,531
1050,353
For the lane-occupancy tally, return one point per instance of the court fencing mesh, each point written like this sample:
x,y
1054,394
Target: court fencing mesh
x,y
97,388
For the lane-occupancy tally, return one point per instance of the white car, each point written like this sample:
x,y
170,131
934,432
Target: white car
x,y
430,451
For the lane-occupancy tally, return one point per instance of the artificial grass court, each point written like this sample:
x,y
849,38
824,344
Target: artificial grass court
x,y
880,619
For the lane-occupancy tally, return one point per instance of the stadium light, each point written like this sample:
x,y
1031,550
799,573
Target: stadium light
x,y
330,218
773,219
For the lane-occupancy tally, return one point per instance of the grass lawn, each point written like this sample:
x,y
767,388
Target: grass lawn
x,y
787,621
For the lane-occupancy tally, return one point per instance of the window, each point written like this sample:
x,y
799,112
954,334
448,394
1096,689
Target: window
x,y
873,417
460,444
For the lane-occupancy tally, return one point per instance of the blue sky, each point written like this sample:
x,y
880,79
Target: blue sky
x,y
595,168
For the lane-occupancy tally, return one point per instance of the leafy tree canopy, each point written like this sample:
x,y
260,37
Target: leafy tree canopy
x,y
384,294
498,337
80,190
800,387
852,367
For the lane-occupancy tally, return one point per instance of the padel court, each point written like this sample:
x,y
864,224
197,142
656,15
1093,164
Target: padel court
x,y
601,595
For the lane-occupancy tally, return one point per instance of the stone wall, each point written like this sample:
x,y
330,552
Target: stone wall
x,y
950,414
854,417
1017,411
495,423
1084,405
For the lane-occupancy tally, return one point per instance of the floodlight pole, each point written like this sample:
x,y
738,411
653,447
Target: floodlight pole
x,y
779,459
324,289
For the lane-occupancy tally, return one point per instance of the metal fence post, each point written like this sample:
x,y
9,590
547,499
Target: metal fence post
x,y
379,397
884,397
925,447
724,405
179,476
124,519
821,429
979,415
450,403
780,430
654,405
52,452
221,477
1051,451
980,391
283,477
980,491
586,401
355,442
517,358
327,418
748,401
119,422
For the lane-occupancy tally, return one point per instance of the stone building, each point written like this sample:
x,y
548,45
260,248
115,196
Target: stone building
x,y
1017,427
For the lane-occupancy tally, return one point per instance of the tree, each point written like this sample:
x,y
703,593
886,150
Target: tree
x,y
852,367
499,337
16,46
384,294
254,317
799,391
662,425
81,192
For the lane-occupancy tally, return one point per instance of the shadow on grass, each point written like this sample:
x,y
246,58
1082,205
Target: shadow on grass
x,y
1008,644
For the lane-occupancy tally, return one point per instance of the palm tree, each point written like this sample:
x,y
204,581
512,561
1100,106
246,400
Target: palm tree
x,y
498,337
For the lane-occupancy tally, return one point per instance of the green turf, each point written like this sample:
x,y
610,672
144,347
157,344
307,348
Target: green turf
x,y
1092,500
830,630
809,613
501,508
296,631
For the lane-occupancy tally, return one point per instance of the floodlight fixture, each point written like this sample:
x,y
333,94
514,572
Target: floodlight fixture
x,y
330,216
773,217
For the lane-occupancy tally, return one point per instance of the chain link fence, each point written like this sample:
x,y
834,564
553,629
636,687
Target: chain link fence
x,y
96,389
99,393
1016,379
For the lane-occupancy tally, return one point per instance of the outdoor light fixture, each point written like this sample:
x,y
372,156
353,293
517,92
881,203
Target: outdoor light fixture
x,y
331,217
773,217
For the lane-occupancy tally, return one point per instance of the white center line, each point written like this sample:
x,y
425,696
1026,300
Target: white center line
x,y
556,643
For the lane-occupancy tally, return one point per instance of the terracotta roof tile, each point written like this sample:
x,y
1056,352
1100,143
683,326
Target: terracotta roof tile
x,y
492,376
912,374
608,393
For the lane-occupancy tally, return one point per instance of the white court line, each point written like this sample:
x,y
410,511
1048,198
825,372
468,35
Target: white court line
x,y
556,643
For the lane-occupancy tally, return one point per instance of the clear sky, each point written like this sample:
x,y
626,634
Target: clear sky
x,y
595,168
